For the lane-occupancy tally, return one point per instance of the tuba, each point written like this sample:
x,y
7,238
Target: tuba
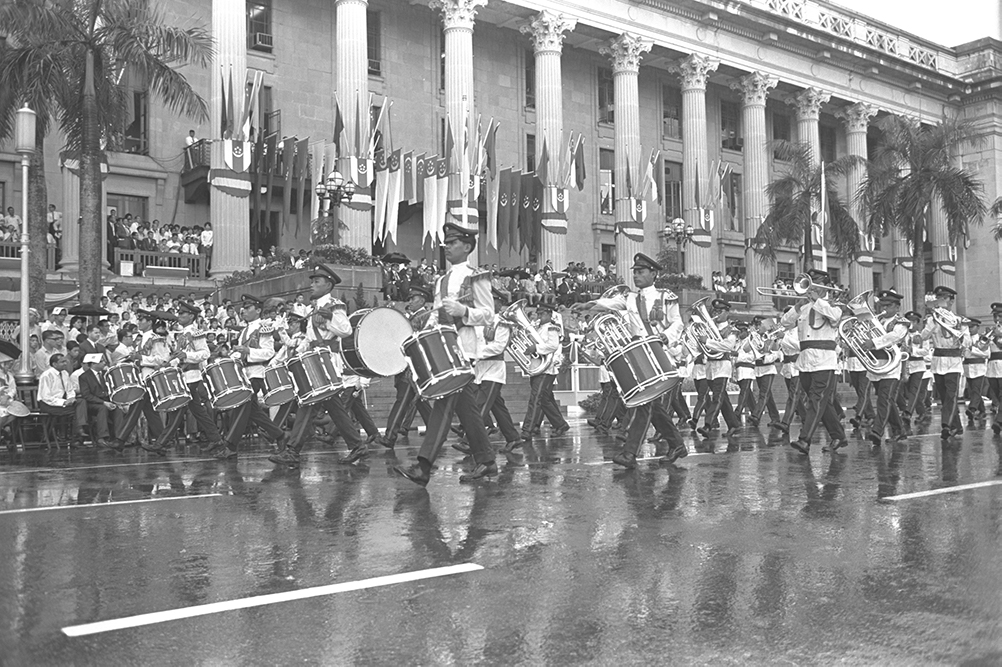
x,y
863,326
523,334
700,325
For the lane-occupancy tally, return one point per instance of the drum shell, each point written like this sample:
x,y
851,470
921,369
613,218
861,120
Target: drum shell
x,y
278,386
314,375
437,362
168,390
124,384
226,384
373,321
642,371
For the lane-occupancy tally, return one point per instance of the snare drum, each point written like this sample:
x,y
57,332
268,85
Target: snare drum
x,y
168,390
642,371
124,384
314,375
278,387
227,386
373,348
437,361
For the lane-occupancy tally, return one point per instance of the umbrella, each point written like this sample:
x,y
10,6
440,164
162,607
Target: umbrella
x,y
163,315
88,309
396,258
9,351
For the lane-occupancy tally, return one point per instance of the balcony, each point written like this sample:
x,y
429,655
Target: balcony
x,y
159,264
10,256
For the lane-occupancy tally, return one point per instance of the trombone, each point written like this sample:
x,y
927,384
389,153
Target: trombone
x,y
801,286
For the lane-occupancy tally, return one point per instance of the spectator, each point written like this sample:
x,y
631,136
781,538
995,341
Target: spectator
x,y
207,241
12,221
56,395
190,139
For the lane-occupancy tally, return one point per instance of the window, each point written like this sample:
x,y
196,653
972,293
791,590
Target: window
x,y
137,206
671,111
607,181
259,35
441,59
673,190
136,135
272,119
734,267
609,253
732,200
878,281
876,243
373,26
530,79
3,196
530,152
374,112
784,271
441,136
730,126
835,274
826,136
780,127
606,96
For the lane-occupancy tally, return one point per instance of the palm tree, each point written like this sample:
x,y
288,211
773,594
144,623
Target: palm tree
x,y
94,41
912,169
795,198
996,212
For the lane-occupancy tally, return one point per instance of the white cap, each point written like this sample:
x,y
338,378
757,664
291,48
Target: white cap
x,y
92,358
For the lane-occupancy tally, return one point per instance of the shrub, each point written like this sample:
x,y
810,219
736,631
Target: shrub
x,y
590,403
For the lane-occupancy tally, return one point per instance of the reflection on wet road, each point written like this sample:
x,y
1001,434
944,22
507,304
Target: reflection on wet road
x,y
744,553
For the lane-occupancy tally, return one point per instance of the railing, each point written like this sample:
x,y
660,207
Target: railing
x,y
11,250
168,264
198,154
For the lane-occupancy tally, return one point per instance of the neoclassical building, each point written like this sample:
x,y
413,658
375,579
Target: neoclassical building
x,y
706,84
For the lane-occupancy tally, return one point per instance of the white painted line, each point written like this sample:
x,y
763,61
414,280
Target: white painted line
x,y
106,465
261,600
111,504
947,489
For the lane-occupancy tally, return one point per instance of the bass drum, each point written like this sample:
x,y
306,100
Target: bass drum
x,y
643,371
374,347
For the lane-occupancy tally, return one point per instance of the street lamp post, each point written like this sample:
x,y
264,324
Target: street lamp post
x,y
24,145
681,233
331,192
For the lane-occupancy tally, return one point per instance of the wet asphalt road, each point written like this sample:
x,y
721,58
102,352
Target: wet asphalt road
x,y
747,553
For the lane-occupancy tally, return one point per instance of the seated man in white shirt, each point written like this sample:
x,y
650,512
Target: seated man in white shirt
x,y
56,395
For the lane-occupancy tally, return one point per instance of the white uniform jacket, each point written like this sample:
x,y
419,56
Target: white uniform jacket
x,y
330,333
976,358
462,280
153,353
816,328
192,342
947,353
491,365
897,333
259,337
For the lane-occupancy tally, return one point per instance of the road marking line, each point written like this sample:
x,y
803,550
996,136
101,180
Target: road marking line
x,y
111,504
106,465
261,600
948,489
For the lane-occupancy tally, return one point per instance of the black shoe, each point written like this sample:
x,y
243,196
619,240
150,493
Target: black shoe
x,y
104,444
492,430
944,433
509,447
385,442
357,454
625,459
802,446
152,448
837,444
371,438
560,431
287,457
225,454
703,431
414,474
855,421
904,435
675,453
482,470
732,432
752,421
874,439
593,423
997,428
692,424
784,427
461,447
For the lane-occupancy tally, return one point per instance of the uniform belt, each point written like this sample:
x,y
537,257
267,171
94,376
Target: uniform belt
x,y
496,357
764,363
790,358
881,354
971,362
817,345
995,356
744,364
947,352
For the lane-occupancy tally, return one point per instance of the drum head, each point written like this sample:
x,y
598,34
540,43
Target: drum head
x,y
379,337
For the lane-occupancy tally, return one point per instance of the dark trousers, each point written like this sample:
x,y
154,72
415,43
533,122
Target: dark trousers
x,y
765,398
702,394
909,394
720,404
335,407
861,385
407,403
197,407
975,396
887,407
678,404
612,408
464,404
654,412
251,413
819,387
542,403
946,390
492,402
98,416
356,406
794,400
77,409
994,390
746,399
142,407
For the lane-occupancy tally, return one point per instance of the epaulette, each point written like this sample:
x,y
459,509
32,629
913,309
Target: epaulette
x,y
337,304
266,327
480,274
668,294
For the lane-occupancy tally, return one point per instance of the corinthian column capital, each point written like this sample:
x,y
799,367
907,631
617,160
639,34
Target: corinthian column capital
x,y
458,13
694,71
626,51
807,103
857,116
755,87
547,29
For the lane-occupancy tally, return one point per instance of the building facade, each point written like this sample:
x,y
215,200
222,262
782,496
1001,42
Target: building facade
x,y
707,84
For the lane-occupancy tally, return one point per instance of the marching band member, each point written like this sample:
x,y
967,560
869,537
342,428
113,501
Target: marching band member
x,y
744,365
702,384
994,373
861,386
911,395
256,348
789,346
463,298
816,322
541,399
492,375
947,360
407,400
151,353
765,372
327,324
648,311
886,383
718,371
975,368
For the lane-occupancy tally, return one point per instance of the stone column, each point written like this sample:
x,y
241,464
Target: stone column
x,y
807,105
625,53
71,222
944,268
693,72
902,272
754,89
857,120
229,213
352,81
547,30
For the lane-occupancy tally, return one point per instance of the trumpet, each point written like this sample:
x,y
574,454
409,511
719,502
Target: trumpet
x,y
864,326
524,335
801,286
